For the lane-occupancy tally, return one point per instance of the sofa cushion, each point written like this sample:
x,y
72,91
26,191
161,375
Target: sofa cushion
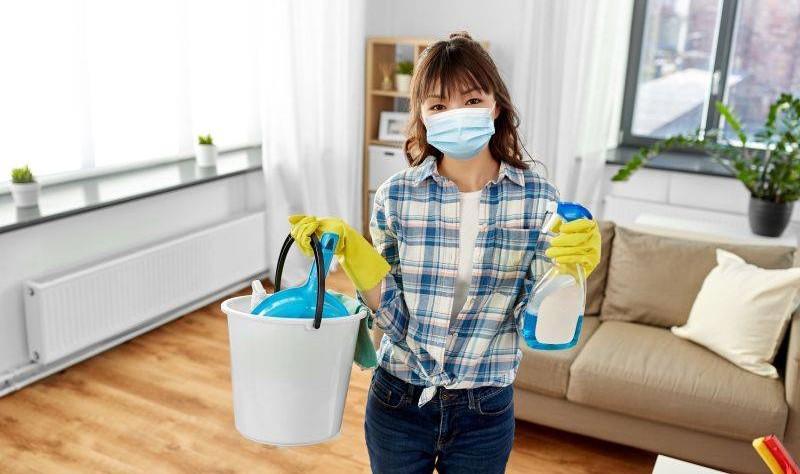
x,y
648,372
596,283
547,372
654,279
742,312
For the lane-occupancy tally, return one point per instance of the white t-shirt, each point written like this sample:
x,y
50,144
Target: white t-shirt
x,y
470,205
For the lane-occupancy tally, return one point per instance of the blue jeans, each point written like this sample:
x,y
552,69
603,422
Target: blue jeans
x,y
457,431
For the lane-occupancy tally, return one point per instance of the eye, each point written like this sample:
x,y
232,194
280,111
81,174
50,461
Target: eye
x,y
437,107
474,101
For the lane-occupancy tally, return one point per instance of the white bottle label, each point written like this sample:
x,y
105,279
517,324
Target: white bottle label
x,y
558,315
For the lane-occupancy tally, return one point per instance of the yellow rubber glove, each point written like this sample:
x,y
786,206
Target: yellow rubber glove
x,y
577,241
364,265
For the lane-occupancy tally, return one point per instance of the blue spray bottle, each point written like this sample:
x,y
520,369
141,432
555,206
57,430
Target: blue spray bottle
x,y
554,314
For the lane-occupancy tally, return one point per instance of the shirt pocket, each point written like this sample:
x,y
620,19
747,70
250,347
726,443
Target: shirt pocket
x,y
514,251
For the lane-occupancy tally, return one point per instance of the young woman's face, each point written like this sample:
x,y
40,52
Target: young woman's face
x,y
473,97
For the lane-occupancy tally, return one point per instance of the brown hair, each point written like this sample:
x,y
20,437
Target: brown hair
x,y
461,62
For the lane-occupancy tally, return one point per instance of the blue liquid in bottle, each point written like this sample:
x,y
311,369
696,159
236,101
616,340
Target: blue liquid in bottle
x,y
533,343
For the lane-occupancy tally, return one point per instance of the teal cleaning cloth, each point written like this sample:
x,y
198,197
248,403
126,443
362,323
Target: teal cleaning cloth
x,y
365,356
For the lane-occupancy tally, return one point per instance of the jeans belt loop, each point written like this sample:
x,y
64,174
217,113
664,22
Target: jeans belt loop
x,y
471,396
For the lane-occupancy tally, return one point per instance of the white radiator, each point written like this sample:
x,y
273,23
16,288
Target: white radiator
x,y
74,310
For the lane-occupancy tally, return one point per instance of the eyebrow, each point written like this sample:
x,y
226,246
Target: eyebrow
x,y
462,93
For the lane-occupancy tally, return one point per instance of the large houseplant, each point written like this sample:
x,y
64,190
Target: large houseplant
x,y
768,165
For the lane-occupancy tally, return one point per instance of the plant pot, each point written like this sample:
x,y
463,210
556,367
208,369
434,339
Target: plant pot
x,y
206,155
25,194
402,82
769,218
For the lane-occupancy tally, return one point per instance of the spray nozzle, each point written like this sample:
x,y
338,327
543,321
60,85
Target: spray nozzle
x,y
569,211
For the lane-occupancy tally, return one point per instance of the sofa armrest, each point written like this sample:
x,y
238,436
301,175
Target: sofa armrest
x,y
792,386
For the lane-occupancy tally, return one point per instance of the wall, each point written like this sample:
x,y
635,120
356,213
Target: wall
x,y
495,22
48,247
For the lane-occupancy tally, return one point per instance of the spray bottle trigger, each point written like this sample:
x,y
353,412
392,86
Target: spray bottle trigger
x,y
550,217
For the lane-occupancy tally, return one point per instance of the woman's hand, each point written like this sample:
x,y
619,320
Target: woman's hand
x,y
302,228
364,265
577,241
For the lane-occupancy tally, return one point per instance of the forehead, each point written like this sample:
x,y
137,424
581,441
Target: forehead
x,y
435,93
448,84
456,91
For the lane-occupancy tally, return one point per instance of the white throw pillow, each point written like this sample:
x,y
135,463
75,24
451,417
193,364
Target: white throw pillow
x,y
742,312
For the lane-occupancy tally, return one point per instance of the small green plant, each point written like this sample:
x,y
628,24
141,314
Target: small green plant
x,y
22,175
405,67
770,171
205,140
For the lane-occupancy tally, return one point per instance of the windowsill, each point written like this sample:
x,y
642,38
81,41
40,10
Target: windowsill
x,y
683,162
87,194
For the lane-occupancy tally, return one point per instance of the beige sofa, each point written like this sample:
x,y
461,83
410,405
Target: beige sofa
x,y
630,381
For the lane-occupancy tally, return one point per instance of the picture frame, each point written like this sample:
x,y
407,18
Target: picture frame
x,y
393,126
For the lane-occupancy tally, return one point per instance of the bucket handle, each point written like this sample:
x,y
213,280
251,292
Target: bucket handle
x,y
315,245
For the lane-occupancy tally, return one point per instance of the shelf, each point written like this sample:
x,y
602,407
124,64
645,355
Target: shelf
x,y
393,41
91,193
402,95
386,143
686,162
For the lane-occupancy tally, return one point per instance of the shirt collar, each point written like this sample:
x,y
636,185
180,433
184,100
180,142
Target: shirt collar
x,y
430,167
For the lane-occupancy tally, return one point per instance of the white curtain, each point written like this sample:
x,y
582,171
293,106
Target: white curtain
x,y
92,84
569,75
312,105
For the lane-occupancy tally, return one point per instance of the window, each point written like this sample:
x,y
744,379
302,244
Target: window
x,y
686,55
92,84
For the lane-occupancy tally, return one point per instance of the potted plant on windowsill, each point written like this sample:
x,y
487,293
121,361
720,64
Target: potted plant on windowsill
x,y
24,187
770,171
205,151
402,76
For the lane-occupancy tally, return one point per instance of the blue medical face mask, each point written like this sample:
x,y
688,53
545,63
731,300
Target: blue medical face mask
x,y
460,133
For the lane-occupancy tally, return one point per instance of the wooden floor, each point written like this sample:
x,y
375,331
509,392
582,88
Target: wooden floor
x,y
162,403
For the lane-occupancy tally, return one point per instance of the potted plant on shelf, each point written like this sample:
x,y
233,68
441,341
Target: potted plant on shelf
x,y
24,187
402,76
769,166
206,151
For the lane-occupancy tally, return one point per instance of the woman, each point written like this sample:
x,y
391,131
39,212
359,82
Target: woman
x,y
460,231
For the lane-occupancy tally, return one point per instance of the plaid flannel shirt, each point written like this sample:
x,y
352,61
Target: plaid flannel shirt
x,y
415,226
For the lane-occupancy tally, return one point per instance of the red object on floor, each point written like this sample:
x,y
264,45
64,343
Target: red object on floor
x,y
781,455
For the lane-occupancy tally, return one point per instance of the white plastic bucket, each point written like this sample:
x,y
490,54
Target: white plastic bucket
x,y
289,379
